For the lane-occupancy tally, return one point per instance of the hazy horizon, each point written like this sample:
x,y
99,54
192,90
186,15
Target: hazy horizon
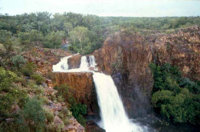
x,y
126,8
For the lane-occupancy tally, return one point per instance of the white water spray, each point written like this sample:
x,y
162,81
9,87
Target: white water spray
x,y
113,115
84,66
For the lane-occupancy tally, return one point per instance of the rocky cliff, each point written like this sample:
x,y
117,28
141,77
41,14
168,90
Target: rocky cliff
x,y
82,86
127,57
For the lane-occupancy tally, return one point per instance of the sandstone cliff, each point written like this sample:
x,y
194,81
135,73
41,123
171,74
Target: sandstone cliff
x,y
127,57
82,87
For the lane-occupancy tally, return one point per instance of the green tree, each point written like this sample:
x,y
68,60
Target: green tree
x,y
68,27
54,39
174,97
80,39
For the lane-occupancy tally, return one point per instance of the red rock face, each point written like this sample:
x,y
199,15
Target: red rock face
x,y
127,54
82,87
127,57
181,49
74,61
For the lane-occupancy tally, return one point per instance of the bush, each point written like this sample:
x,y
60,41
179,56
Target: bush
x,y
34,114
28,69
6,79
49,115
176,98
9,93
63,90
18,61
78,111
38,78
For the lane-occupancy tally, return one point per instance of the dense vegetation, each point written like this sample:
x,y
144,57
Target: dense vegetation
x,y
84,33
18,112
175,97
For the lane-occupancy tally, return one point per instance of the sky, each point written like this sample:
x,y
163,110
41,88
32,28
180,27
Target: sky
x,y
137,8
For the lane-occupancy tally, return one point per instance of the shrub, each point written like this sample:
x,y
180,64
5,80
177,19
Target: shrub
x,y
9,93
63,90
6,79
49,115
38,78
78,111
34,114
18,61
28,69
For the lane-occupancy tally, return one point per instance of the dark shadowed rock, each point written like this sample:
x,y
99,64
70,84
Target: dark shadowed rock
x,y
93,127
74,61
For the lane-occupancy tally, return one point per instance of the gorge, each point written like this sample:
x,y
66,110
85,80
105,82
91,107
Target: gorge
x,y
127,58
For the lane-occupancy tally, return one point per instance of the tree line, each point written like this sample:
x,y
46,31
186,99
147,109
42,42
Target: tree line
x,y
85,33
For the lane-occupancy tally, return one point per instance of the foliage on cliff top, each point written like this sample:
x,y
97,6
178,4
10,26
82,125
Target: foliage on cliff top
x,y
175,97
45,29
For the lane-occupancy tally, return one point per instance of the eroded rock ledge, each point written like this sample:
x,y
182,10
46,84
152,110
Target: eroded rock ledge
x,y
83,88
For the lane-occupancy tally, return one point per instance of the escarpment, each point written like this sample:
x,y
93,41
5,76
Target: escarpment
x,y
127,57
181,49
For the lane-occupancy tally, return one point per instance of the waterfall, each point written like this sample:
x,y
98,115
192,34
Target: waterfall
x,y
61,66
113,115
84,66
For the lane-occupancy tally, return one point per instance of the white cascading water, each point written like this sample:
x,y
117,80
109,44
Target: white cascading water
x,y
113,115
62,66
84,66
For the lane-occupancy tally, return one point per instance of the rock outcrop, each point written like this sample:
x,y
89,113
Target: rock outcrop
x,y
74,61
181,49
45,58
82,86
127,57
